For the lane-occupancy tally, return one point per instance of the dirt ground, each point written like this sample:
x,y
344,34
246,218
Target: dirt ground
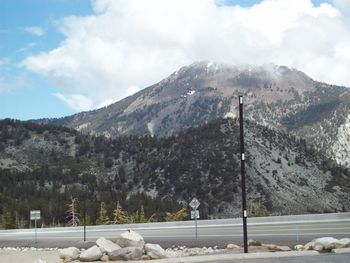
x,y
29,256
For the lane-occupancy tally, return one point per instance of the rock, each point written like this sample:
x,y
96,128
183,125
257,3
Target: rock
x,y
318,247
283,248
146,257
344,242
271,247
299,247
155,251
107,245
254,243
104,258
126,253
39,260
232,246
328,243
209,250
174,253
70,252
67,260
91,254
130,239
309,246
194,251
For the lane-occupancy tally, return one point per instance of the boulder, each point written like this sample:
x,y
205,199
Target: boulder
x,y
126,253
155,251
104,258
344,242
271,247
107,245
91,254
146,257
309,246
299,247
326,243
70,252
283,248
39,260
130,239
195,251
233,246
252,242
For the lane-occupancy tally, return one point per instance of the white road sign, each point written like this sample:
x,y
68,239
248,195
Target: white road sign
x,y
35,215
194,204
195,213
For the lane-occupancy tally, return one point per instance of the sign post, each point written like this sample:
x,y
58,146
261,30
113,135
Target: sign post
x,y
194,204
244,202
35,215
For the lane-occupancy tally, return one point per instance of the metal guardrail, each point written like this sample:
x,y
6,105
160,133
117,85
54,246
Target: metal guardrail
x,y
309,218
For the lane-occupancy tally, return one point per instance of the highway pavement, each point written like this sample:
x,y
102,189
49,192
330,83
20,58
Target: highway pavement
x,y
287,230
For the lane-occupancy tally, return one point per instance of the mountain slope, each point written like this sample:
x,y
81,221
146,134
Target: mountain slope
x,y
44,165
275,96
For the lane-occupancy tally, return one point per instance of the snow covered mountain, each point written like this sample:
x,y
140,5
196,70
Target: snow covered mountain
x,y
275,96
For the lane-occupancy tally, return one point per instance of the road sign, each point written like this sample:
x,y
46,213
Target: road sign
x,y
195,213
194,204
35,215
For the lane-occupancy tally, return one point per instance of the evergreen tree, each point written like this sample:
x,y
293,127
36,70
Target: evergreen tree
x,y
103,218
120,216
7,220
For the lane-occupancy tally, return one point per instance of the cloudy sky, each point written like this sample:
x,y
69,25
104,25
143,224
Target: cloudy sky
x,y
59,57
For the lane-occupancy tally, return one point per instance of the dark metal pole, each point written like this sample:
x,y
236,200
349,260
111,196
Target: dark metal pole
x,y
244,202
85,219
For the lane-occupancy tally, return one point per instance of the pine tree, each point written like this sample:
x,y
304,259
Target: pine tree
x,y
142,218
103,219
72,212
120,215
7,220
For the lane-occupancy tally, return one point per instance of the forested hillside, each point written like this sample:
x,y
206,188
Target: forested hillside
x,y
44,166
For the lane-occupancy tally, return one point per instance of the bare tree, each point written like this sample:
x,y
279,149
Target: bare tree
x,y
73,215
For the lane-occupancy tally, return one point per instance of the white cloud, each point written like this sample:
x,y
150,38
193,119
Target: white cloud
x,y
136,43
75,101
10,83
4,61
35,30
27,47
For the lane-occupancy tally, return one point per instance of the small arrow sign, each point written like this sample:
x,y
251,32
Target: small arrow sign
x,y
35,215
194,204
195,214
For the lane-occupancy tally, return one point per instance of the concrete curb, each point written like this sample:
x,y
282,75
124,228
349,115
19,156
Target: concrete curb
x,y
222,257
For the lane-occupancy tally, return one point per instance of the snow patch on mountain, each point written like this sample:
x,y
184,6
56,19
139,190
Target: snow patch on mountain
x,y
191,92
150,127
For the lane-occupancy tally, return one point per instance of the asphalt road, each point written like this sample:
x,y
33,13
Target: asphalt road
x,y
209,234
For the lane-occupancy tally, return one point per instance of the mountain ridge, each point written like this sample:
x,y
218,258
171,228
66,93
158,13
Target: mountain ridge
x,y
275,96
